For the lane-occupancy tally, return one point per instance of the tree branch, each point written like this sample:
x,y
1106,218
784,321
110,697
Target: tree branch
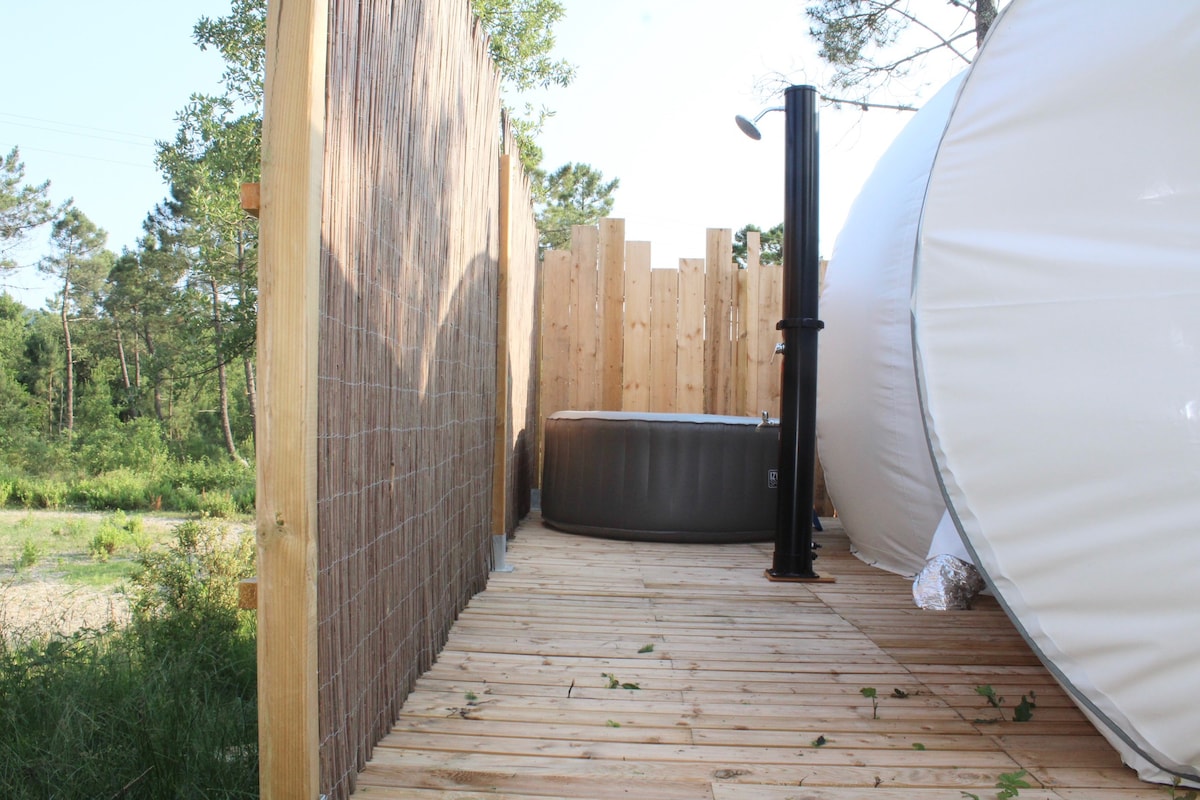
x,y
917,54
865,105
947,43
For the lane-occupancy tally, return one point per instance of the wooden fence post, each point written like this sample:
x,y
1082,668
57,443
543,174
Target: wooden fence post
x,y
289,283
503,388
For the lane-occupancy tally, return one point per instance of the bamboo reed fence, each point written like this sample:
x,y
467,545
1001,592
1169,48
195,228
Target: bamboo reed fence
x,y
398,329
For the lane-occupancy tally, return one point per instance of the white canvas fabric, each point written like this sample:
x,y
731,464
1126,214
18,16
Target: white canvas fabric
x,y
946,540
869,429
1056,322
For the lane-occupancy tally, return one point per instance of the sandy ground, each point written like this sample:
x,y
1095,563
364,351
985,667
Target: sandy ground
x,y
47,605
38,600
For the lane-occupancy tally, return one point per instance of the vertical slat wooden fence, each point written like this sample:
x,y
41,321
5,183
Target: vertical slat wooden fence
x,y
697,339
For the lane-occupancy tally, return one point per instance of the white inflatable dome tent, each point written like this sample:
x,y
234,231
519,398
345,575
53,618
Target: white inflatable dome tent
x,y
869,429
1055,324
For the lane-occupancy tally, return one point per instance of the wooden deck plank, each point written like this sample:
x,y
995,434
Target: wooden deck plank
x,y
529,679
809,724
747,689
513,772
826,755
743,792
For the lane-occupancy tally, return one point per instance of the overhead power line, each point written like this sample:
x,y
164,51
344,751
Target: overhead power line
x,y
84,130
26,148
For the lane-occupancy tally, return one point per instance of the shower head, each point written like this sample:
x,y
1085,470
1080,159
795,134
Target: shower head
x,y
750,127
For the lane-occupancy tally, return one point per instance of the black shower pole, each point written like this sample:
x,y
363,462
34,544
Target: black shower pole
x,y
801,284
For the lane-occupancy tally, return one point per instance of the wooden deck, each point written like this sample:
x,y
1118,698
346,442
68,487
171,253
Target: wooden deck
x,y
752,689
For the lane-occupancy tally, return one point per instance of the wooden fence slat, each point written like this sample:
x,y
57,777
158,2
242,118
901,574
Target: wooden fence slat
x,y
664,346
718,291
635,394
712,313
556,332
723,258
770,305
690,395
741,365
612,298
584,347
750,329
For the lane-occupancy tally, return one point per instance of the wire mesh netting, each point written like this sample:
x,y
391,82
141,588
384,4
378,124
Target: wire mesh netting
x,y
407,356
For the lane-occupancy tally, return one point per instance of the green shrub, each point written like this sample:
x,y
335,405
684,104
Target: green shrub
x,y
53,493
134,526
176,498
115,531
119,488
163,708
133,530
217,504
103,544
30,554
40,492
190,588
135,445
244,497
23,491
216,488
42,456
207,476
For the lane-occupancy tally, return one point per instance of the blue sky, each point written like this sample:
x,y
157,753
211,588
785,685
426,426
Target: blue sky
x,y
659,82
91,85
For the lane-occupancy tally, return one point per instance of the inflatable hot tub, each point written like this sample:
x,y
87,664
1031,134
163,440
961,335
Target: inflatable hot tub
x,y
660,477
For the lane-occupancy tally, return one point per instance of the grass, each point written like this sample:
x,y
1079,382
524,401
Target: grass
x,y
98,574
57,532
164,707
80,549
